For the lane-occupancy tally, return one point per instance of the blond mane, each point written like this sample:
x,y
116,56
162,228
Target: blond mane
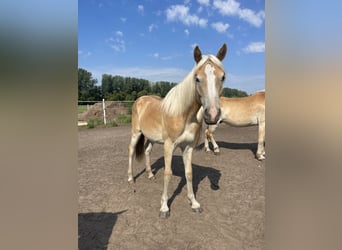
x,y
181,97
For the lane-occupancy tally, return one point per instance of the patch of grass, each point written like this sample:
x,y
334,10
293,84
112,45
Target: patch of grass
x,y
129,106
113,123
124,119
92,123
82,108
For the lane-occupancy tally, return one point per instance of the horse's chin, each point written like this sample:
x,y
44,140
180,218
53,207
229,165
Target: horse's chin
x,y
208,122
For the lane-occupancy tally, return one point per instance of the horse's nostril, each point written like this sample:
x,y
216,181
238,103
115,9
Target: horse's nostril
x,y
206,112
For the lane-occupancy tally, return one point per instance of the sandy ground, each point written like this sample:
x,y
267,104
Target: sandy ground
x,y
230,188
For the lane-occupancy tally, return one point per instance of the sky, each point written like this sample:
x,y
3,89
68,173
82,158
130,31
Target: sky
x,y
154,39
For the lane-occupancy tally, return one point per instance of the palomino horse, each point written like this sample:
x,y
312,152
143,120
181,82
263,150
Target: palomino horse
x,y
240,112
175,120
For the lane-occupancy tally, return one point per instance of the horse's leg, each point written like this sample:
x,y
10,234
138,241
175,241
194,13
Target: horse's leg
x,y
168,150
131,150
206,140
209,137
187,159
260,155
148,149
212,129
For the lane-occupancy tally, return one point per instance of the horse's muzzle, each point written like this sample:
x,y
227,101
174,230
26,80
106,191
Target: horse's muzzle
x,y
211,116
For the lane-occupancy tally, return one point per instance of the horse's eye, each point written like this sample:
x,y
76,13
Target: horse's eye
x,y
223,78
197,80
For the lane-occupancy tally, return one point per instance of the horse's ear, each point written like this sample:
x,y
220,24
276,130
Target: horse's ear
x,y
222,52
197,54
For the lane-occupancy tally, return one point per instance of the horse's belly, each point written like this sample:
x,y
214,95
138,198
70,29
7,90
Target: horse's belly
x,y
238,122
154,135
156,139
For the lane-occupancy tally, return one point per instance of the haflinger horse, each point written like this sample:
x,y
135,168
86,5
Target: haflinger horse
x,y
241,112
176,120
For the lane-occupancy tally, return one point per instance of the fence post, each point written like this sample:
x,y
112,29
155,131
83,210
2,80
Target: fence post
x,y
104,112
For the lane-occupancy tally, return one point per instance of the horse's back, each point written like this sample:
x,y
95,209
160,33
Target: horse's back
x,y
243,111
259,97
146,117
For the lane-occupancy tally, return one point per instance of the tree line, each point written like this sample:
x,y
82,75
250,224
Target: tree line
x,y
119,88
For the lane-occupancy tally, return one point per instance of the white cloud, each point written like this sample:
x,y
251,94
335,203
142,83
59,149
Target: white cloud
x,y
220,27
253,18
84,53
123,19
232,8
181,13
186,31
254,47
141,9
227,7
151,74
119,33
163,58
204,2
117,42
152,27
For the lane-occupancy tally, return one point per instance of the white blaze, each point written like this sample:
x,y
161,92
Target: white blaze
x,y
209,71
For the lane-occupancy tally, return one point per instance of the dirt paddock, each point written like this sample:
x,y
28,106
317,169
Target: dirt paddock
x,y
230,188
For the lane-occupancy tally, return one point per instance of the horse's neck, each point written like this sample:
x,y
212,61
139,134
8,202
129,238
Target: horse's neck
x,y
195,112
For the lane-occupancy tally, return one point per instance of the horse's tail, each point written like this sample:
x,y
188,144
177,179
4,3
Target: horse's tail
x,y
139,148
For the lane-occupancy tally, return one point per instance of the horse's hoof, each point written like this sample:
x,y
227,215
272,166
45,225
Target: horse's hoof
x,y
260,157
152,178
164,215
197,210
130,181
207,150
217,153
214,186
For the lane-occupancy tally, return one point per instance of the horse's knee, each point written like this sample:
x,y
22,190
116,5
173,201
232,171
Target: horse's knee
x,y
188,176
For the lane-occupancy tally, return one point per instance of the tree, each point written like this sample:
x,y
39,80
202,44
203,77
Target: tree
x,y
228,92
87,89
107,84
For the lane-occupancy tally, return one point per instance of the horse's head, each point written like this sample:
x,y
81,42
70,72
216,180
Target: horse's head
x,y
209,77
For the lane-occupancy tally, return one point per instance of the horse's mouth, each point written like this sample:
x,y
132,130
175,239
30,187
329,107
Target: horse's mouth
x,y
208,122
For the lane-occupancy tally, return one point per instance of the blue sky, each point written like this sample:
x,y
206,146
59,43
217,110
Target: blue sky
x,y
154,39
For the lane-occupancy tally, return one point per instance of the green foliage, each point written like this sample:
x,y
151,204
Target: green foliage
x,y
228,92
113,123
92,123
87,89
82,108
119,88
129,105
124,119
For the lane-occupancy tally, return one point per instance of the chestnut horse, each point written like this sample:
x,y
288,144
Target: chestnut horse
x,y
240,112
175,121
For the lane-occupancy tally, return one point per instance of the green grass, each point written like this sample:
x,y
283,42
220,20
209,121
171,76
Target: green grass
x,y
82,108
124,119
129,106
92,123
113,123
